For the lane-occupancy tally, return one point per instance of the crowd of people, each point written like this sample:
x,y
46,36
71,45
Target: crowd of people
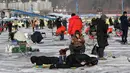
x,y
77,46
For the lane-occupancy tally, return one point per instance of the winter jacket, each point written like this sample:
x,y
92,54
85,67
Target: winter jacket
x,y
75,23
60,30
75,60
78,41
102,33
124,22
58,22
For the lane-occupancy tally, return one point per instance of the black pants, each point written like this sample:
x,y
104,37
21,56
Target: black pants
x,y
124,36
100,51
11,35
10,29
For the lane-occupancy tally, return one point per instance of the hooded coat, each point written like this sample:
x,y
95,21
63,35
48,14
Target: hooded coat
x,y
75,23
58,22
102,33
124,23
60,30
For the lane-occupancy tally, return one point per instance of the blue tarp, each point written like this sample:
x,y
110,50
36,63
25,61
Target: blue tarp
x,y
31,14
88,15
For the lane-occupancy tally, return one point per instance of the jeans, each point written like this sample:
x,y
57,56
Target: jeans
x,y
62,59
62,36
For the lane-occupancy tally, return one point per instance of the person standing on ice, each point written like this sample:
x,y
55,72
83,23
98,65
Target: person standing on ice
x,y
27,23
75,23
58,22
9,25
102,36
15,23
124,27
42,23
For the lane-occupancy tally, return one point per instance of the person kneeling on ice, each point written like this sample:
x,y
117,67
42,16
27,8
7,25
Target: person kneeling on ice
x,y
60,31
77,43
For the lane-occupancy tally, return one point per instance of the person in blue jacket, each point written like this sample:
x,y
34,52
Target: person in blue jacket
x,y
124,27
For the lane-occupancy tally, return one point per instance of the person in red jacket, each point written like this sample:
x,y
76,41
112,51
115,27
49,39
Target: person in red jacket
x,y
75,23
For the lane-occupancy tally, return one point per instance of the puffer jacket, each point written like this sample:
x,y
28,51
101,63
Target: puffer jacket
x,y
75,23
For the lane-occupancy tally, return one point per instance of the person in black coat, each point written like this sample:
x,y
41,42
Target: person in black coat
x,y
110,21
58,22
27,23
79,60
102,36
50,24
9,25
124,27
41,24
117,24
